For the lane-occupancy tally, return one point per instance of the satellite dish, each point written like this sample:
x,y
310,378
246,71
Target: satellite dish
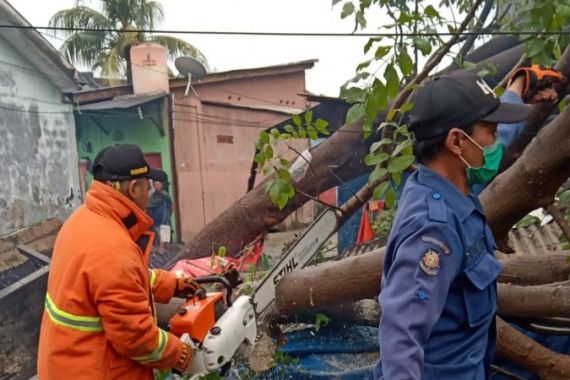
x,y
192,69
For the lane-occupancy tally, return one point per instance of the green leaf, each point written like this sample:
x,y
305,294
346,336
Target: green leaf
x,y
405,62
564,198
260,158
268,152
275,133
382,51
264,137
379,95
302,132
297,120
363,65
283,162
321,125
289,128
274,192
285,175
378,144
377,173
527,221
392,80
309,117
391,114
355,113
222,251
371,41
399,164
321,320
335,2
347,10
424,45
380,190
353,94
401,146
282,200
391,197
313,135
431,12
397,178
405,18
360,19
535,47
372,159
406,107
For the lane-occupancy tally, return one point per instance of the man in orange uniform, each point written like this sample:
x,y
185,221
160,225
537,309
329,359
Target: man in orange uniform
x,y
99,321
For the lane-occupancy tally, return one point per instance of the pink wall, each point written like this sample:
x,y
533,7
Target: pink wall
x,y
214,143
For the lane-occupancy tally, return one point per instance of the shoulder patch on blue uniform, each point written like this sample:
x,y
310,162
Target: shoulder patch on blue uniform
x,y
438,243
430,263
437,211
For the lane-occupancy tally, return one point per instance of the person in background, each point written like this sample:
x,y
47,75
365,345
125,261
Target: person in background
x,y
160,208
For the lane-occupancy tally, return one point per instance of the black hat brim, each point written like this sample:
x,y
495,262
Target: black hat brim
x,y
508,113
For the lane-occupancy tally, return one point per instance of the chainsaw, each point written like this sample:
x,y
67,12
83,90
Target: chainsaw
x,y
215,326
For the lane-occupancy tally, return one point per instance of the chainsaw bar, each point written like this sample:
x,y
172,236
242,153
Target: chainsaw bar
x,y
298,256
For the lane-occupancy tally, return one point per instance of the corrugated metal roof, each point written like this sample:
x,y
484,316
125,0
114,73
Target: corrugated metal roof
x,y
532,240
122,102
536,239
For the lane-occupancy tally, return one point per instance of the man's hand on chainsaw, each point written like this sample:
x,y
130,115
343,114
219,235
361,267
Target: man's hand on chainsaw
x,y
186,288
536,84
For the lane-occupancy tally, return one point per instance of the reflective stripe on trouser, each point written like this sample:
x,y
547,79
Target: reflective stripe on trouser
x,y
76,322
152,278
157,353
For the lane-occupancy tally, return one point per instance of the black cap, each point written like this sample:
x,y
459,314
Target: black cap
x,y
458,100
122,163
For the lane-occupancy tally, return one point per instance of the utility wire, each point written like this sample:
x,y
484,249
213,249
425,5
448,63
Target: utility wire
x,y
291,34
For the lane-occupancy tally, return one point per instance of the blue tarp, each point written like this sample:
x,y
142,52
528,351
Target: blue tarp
x,y
350,353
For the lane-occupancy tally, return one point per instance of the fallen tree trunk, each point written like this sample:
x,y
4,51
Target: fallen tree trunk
x,y
534,301
340,154
514,345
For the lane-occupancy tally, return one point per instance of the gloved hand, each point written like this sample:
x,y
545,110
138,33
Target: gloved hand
x,y
537,78
186,287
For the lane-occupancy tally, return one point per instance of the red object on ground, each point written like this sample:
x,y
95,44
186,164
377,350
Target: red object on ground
x,y
207,266
365,231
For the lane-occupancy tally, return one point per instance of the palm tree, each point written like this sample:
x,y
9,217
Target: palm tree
x,y
108,51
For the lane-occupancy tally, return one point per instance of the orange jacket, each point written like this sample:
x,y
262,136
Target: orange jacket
x,y
99,323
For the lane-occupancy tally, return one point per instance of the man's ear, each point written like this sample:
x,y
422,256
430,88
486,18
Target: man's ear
x,y
131,188
453,141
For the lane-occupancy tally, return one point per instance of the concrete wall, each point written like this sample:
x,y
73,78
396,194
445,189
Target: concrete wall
x,y
214,144
38,157
126,127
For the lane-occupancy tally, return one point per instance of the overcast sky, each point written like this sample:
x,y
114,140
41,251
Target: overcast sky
x,y
337,56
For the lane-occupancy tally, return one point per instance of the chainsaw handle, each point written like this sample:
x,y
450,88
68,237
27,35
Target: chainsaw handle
x,y
217,280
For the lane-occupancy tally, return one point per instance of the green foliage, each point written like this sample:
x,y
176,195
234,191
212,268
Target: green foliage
x,y
383,224
107,51
527,221
540,16
320,321
279,187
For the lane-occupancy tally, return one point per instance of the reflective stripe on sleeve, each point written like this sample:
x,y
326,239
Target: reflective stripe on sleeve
x,y
76,322
157,353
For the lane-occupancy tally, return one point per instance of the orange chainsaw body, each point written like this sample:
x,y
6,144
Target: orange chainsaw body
x,y
198,316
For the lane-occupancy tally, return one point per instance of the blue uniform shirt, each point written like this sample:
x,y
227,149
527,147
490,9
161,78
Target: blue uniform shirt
x,y
439,296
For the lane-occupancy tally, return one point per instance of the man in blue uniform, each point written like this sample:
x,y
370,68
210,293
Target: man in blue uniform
x,y
439,294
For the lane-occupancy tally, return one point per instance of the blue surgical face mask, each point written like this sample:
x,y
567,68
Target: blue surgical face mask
x,y
492,156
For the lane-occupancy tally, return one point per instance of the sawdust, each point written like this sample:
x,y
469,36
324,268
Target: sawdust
x,y
261,356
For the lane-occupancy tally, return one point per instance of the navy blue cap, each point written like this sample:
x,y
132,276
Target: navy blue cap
x,y
458,100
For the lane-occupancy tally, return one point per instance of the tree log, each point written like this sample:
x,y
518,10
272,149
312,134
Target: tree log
x,y
514,345
534,301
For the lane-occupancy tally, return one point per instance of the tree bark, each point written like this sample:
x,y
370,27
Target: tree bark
x,y
534,178
341,153
514,345
358,277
